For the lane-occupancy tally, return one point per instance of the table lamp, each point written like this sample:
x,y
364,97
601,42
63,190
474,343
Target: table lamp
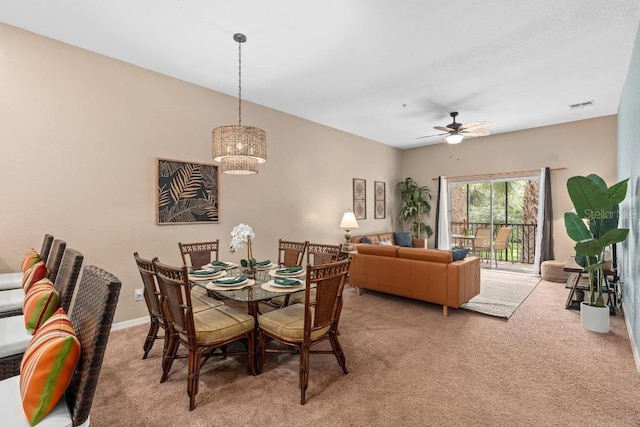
x,y
348,223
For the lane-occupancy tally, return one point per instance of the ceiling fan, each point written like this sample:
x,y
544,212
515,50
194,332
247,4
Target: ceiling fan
x,y
457,131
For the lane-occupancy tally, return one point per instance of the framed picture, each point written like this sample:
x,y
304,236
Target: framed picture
x,y
380,200
360,198
187,193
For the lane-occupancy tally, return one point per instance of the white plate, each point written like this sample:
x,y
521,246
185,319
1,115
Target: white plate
x,y
226,267
230,285
275,285
273,273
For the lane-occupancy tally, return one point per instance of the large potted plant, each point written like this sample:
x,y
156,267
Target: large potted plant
x,y
415,203
594,227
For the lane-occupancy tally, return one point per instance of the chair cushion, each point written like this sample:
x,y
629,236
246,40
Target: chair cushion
x,y
10,281
14,338
298,297
201,301
11,300
40,302
220,324
288,323
33,274
31,258
11,408
47,366
403,239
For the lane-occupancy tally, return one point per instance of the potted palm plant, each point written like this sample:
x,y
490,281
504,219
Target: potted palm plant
x,y
594,227
415,202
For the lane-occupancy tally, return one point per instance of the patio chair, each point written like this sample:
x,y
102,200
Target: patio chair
x,y
200,253
302,326
501,242
482,242
203,332
92,316
14,280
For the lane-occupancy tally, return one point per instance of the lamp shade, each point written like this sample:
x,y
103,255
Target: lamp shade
x,y
349,220
454,138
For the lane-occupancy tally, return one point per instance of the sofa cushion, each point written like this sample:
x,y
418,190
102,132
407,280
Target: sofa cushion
x,y
13,335
390,251
386,237
366,240
433,255
403,239
385,243
459,254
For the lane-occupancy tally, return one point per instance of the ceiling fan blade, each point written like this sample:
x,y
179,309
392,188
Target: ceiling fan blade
x,y
429,136
472,125
476,132
444,128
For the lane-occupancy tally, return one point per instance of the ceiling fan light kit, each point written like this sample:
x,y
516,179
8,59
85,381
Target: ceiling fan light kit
x,y
457,131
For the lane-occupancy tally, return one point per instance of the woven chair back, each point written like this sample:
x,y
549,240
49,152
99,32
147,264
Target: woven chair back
x,y
319,253
200,253
68,274
501,241
54,259
152,295
46,247
176,293
291,254
324,310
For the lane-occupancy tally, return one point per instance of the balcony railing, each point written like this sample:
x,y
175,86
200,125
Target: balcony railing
x,y
522,241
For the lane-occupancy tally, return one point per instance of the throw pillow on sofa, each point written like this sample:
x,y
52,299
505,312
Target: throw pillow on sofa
x,y
366,239
459,254
403,239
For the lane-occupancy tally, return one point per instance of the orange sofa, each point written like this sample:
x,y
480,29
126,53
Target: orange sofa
x,y
386,237
424,274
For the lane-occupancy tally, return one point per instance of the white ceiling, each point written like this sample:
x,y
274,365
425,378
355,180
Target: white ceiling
x,y
388,70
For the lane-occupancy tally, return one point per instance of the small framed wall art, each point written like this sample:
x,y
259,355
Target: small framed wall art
x,y
187,193
380,200
360,198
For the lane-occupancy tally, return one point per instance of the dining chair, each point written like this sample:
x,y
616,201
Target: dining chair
x,y
67,276
302,326
200,253
202,332
291,254
54,258
14,280
14,338
501,242
91,317
320,253
481,241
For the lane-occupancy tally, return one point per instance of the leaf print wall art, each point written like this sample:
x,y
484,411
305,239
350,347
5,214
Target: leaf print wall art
x,y
187,192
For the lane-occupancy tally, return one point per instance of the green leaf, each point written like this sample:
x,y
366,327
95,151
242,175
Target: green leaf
x,y
616,235
598,181
576,228
617,192
589,247
588,198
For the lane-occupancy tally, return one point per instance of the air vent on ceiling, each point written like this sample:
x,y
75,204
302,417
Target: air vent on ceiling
x,y
582,105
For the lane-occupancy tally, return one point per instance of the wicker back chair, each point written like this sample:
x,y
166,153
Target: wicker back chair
x,y
290,253
481,241
153,298
91,316
200,332
67,278
46,247
199,253
301,326
318,253
501,242
55,258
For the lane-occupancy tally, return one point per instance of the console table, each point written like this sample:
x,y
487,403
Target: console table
x,y
576,288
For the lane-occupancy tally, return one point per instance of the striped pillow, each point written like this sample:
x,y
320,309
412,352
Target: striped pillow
x,y
39,303
47,366
31,257
33,274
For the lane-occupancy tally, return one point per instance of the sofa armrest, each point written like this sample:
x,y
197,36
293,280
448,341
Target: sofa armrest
x,y
419,243
464,280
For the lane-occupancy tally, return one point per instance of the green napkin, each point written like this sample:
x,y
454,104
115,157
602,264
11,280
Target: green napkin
x,y
286,282
263,263
205,272
231,280
218,263
290,270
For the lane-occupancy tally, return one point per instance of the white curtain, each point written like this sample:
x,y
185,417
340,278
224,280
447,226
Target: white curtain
x,y
443,238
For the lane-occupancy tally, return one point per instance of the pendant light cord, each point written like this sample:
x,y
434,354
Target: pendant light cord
x,y
240,83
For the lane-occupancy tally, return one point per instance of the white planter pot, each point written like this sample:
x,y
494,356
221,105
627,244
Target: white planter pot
x,y
595,319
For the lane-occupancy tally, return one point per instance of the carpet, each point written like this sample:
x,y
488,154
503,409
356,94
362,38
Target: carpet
x,y
501,292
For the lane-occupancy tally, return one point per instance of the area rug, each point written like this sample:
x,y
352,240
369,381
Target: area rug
x,y
501,292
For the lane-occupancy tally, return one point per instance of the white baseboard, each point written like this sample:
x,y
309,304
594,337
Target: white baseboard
x,y
634,348
129,323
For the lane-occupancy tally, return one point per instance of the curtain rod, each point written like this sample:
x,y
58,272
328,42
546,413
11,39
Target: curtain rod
x,y
500,174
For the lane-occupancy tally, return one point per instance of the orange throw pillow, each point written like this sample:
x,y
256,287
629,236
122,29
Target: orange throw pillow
x,y
47,366
40,302
31,257
33,274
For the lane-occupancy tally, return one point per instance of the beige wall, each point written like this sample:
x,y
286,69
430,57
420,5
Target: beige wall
x,y
80,134
582,147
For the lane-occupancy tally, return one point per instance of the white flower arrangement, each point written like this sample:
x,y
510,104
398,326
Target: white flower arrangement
x,y
241,235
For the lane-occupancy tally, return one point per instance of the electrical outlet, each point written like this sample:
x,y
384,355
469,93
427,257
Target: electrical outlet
x,y
138,295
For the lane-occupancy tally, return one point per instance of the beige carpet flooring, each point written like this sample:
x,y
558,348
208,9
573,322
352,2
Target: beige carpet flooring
x,y
408,366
